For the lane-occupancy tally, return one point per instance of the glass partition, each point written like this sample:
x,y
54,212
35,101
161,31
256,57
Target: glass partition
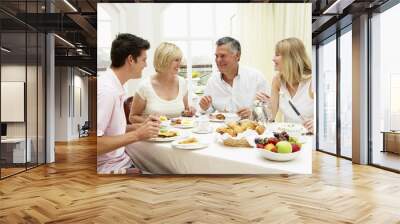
x,y
327,96
385,89
346,94
22,90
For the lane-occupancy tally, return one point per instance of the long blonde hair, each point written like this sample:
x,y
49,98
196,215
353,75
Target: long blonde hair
x,y
296,65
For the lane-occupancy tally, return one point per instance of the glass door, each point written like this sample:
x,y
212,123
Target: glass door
x,y
385,90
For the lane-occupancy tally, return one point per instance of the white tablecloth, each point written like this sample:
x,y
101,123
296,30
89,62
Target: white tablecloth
x,y
162,158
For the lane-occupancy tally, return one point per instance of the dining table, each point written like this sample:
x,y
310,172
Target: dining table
x,y
216,158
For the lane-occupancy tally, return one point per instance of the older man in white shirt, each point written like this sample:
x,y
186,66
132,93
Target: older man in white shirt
x,y
234,87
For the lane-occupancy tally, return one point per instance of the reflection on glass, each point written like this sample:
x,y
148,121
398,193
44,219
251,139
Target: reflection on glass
x,y
41,99
31,98
13,84
327,97
346,94
385,86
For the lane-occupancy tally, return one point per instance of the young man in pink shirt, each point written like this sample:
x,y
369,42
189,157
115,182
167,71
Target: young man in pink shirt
x,y
128,58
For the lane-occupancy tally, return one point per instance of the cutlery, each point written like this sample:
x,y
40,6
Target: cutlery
x,y
295,110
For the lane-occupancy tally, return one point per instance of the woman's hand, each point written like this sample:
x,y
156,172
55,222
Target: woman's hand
x,y
190,112
263,97
309,125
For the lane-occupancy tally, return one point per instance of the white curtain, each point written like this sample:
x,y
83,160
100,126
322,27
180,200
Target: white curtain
x,y
261,26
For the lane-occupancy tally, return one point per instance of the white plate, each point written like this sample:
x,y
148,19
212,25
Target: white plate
x,y
216,120
183,126
228,117
292,129
281,157
199,145
158,139
197,131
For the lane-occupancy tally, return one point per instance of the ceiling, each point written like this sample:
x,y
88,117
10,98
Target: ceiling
x,y
76,23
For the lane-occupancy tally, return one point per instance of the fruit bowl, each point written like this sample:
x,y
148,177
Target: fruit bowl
x,y
280,147
278,156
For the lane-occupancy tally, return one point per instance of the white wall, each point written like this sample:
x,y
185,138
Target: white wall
x,y
68,82
15,73
33,127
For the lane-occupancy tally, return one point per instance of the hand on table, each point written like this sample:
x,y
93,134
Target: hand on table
x,y
309,125
149,129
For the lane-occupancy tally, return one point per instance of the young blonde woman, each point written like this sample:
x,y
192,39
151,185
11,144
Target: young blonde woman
x,y
292,82
165,93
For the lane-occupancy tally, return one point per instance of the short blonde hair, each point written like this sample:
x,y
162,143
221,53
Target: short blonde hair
x,y
296,65
164,55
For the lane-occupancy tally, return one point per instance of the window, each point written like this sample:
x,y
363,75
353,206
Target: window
x,y
195,27
105,32
346,94
327,96
385,87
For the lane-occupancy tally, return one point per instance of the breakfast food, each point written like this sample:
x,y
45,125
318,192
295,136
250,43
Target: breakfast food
x,y
176,121
181,122
163,133
234,128
242,142
190,140
281,142
187,113
217,117
163,118
220,117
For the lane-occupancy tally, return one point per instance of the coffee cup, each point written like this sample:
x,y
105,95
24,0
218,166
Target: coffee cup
x,y
202,124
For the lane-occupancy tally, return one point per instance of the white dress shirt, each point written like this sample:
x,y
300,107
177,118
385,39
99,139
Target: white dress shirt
x,y
241,94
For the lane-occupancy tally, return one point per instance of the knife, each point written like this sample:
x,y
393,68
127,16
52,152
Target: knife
x,y
295,110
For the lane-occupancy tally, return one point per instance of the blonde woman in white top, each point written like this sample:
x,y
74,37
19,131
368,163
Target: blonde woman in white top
x,y
292,81
164,93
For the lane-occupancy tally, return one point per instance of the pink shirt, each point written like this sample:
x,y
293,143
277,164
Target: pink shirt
x,y
111,120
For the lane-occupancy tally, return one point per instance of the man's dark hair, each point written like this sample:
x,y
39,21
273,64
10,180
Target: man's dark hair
x,y
126,44
234,45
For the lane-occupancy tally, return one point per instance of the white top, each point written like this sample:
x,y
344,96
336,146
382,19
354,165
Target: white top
x,y
242,92
111,120
159,106
301,100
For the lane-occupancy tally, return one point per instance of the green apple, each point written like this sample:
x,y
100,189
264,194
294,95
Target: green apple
x,y
284,147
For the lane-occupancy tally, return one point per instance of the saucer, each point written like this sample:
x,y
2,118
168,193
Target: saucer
x,y
210,130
